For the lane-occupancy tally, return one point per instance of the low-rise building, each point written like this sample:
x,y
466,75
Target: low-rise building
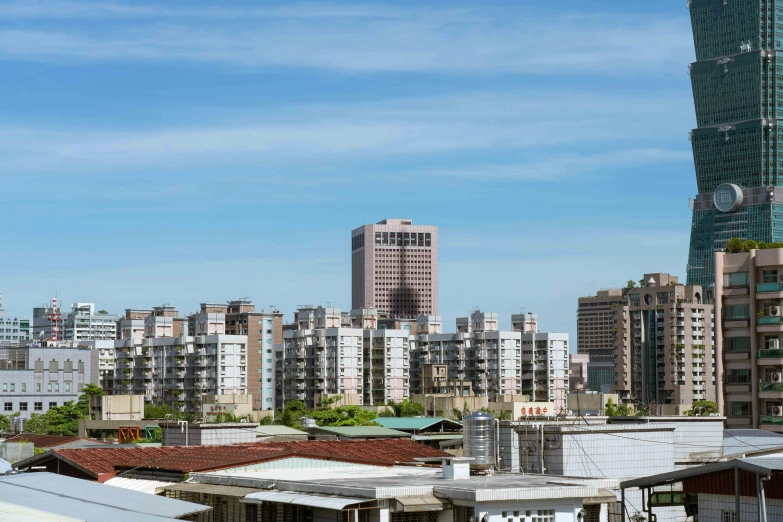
x,y
409,493
34,379
13,330
734,490
117,407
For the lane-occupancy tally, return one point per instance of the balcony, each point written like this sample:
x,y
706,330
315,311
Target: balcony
x,y
769,287
770,354
771,387
770,320
771,419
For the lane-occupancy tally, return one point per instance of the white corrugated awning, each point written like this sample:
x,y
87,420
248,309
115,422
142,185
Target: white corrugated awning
x,y
418,504
299,499
140,485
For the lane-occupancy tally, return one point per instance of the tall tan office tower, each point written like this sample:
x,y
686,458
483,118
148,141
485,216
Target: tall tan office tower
x,y
394,267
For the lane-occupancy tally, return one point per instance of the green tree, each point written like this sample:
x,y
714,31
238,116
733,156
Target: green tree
x,y
292,414
762,245
456,414
702,407
611,409
405,408
734,246
343,416
748,245
776,244
631,284
5,424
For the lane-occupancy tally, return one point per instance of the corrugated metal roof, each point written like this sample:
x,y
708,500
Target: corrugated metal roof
x,y
212,489
102,461
439,436
278,430
54,441
18,513
300,499
361,431
737,442
415,423
140,485
88,500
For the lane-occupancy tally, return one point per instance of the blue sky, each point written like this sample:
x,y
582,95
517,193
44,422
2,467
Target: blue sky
x,y
183,152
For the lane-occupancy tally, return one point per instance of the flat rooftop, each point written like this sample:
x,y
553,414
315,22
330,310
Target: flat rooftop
x,y
412,481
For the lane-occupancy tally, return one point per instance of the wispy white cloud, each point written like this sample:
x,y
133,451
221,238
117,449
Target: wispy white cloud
x,y
566,166
341,36
481,122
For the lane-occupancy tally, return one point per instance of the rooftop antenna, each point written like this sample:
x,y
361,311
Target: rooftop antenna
x,y
745,47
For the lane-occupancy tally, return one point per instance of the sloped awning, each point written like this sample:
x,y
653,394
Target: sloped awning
x,y
417,504
300,499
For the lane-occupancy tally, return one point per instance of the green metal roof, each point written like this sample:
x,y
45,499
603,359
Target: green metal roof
x,y
438,436
272,429
360,431
415,423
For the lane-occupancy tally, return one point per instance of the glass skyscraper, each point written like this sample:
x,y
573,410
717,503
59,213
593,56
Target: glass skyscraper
x,y
737,147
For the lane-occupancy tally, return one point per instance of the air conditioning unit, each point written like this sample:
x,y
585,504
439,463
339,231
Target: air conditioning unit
x,y
777,411
774,343
777,377
776,311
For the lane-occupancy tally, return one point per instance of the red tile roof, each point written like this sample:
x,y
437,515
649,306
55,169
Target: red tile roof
x,y
387,452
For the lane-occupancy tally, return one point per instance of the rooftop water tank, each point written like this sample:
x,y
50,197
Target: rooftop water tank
x,y
478,429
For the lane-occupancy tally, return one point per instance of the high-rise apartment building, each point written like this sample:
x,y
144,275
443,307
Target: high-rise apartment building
x,y
662,354
170,366
495,363
599,332
748,344
264,331
83,323
735,84
394,267
322,357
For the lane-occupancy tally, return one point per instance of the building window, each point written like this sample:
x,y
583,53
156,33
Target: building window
x,y
13,387
38,387
52,404
738,344
737,312
728,516
735,280
22,406
8,406
740,409
67,387
38,406
739,376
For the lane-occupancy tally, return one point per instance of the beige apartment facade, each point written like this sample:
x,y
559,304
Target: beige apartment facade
x,y
394,267
749,318
658,340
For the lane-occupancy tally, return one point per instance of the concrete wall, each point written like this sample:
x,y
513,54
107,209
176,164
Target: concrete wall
x,y
208,434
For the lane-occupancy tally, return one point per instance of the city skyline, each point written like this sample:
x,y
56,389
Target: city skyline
x,y
151,170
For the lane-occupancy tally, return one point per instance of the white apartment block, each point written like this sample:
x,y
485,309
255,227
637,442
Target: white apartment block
x,y
518,362
83,324
167,366
324,355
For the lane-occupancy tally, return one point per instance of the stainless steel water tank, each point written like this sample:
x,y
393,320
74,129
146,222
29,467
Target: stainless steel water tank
x,y
478,429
